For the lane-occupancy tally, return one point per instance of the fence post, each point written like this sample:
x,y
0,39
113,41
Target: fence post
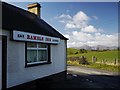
x,y
103,61
115,62
94,59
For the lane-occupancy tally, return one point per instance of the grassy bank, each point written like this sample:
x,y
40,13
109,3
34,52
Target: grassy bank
x,y
109,57
97,66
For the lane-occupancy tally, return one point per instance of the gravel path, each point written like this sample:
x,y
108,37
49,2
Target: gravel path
x,y
90,70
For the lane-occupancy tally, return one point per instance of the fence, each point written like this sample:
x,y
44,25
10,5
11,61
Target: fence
x,y
94,59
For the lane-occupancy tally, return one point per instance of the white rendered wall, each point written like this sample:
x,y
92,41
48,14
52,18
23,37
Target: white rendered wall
x,y
18,74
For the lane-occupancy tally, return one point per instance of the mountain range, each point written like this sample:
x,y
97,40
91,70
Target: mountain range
x,y
98,47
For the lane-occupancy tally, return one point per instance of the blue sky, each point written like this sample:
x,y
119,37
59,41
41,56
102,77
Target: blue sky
x,y
84,23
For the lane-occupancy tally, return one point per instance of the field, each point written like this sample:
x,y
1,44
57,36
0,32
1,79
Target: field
x,y
107,60
108,56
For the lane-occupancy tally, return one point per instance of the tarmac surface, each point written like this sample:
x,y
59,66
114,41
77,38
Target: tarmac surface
x,y
81,77
90,71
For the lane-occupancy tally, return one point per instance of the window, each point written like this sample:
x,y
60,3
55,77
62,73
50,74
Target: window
x,y
37,53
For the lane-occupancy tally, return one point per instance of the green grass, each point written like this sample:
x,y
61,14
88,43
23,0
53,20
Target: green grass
x,y
109,56
97,66
72,51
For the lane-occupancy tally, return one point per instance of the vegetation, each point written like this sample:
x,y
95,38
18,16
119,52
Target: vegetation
x,y
105,59
72,51
108,56
97,66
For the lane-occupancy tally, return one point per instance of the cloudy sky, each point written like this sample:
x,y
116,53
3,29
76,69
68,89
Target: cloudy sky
x,y
83,23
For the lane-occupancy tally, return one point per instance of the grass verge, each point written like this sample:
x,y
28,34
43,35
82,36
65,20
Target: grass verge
x,y
97,66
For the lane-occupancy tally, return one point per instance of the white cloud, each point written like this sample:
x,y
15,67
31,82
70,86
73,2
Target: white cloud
x,y
81,36
83,33
80,16
77,39
70,25
89,28
64,16
75,25
78,21
107,39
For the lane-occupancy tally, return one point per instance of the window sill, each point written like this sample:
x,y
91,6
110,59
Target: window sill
x,y
37,64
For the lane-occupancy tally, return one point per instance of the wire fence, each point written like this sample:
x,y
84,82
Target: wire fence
x,y
93,59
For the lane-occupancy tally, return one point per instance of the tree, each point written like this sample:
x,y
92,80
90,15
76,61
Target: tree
x,y
83,51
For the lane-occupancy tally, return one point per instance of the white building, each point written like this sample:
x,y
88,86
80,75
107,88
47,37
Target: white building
x,y
31,48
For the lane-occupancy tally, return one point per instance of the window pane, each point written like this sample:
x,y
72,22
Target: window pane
x,y
31,56
32,45
37,53
42,55
41,45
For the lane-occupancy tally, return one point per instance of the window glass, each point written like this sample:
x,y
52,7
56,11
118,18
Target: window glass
x,y
42,45
37,53
42,55
31,56
32,45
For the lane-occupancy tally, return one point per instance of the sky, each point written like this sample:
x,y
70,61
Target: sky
x,y
83,23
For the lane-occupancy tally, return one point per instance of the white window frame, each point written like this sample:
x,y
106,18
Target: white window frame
x,y
37,49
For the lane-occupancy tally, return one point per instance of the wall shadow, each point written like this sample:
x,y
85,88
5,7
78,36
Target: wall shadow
x,y
79,80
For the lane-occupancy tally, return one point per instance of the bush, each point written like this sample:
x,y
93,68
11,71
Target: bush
x,y
76,53
83,60
83,51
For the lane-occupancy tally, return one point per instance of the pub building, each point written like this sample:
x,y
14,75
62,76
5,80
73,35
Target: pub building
x,y
33,52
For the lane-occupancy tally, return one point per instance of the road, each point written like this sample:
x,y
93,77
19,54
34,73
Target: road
x,y
80,77
90,71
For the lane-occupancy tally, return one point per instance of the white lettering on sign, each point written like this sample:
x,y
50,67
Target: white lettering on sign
x,y
25,36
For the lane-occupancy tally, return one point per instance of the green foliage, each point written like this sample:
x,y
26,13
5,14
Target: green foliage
x,y
81,60
76,63
108,56
83,51
96,65
104,58
105,67
72,51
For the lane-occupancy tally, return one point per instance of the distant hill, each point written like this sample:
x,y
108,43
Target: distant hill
x,y
98,47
